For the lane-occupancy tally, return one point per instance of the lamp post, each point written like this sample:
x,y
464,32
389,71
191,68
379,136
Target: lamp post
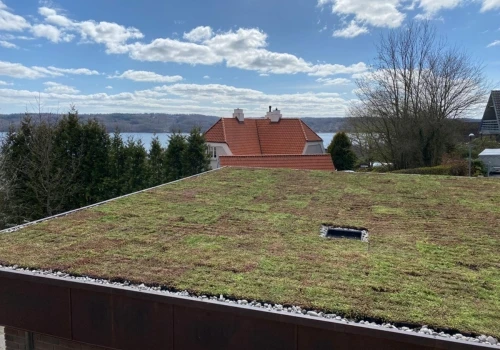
x,y
471,135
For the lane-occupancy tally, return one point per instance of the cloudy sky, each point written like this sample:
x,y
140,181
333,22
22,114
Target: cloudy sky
x,y
194,56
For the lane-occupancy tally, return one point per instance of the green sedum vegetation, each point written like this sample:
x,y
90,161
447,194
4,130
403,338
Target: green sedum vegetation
x,y
254,234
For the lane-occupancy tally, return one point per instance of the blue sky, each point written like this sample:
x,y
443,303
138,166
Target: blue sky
x,y
209,57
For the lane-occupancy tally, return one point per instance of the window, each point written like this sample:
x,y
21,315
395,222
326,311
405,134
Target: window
x,y
212,152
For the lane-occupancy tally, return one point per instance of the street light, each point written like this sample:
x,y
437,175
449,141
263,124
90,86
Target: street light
x,y
471,135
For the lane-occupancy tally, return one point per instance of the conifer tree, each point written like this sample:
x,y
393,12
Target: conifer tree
x,y
342,155
136,166
156,163
195,157
94,164
116,180
173,164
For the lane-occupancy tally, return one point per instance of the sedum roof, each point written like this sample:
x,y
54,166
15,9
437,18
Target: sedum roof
x,y
432,257
256,136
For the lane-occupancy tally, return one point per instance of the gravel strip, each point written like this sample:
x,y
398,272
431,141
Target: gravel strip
x,y
483,339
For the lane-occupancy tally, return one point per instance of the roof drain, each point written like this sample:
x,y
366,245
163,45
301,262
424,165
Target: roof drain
x,y
333,231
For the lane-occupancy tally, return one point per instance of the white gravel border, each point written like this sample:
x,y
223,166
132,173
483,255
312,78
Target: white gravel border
x,y
425,330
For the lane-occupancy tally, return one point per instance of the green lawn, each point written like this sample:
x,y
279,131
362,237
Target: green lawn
x,y
433,256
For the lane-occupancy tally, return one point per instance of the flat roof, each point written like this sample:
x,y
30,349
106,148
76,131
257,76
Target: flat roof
x,y
490,152
432,256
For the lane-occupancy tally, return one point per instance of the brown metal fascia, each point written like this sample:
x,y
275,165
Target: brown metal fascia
x,y
419,340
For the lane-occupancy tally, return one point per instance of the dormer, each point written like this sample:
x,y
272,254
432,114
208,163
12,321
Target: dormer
x,y
273,116
238,114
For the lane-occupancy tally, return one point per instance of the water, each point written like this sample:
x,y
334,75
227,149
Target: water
x,y
146,138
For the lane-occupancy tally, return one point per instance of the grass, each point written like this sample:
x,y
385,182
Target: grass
x,y
254,234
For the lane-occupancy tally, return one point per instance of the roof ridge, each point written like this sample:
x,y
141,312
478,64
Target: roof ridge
x,y
213,125
303,131
310,129
258,136
224,129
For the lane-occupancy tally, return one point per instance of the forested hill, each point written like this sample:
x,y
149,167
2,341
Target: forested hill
x,y
161,122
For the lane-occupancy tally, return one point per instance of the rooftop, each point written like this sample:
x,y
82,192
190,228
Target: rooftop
x,y
262,136
432,256
490,152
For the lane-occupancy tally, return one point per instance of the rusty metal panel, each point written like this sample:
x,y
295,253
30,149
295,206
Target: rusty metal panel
x,y
320,339
120,321
121,318
35,306
212,330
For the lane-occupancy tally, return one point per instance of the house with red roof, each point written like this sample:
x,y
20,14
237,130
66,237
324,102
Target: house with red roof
x,y
269,142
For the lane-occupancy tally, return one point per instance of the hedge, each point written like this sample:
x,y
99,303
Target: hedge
x,y
458,169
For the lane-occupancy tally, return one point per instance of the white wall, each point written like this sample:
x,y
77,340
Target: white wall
x,y
493,160
222,149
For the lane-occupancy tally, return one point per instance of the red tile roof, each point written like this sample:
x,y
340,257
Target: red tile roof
x,y
256,136
297,161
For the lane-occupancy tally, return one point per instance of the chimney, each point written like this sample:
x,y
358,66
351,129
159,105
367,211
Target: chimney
x,y
273,116
238,114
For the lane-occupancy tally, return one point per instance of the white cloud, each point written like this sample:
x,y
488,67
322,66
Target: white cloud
x,y
490,5
323,70
112,35
351,31
109,87
49,32
59,88
51,16
4,83
10,21
432,7
198,34
378,13
244,48
169,50
494,43
263,74
214,99
17,70
206,77
47,72
391,13
8,45
76,71
145,76
330,81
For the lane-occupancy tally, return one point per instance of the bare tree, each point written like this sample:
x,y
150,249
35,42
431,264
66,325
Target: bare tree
x,y
417,86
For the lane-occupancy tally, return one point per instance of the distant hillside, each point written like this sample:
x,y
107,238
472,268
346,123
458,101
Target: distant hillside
x,y
326,124
161,122
135,122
